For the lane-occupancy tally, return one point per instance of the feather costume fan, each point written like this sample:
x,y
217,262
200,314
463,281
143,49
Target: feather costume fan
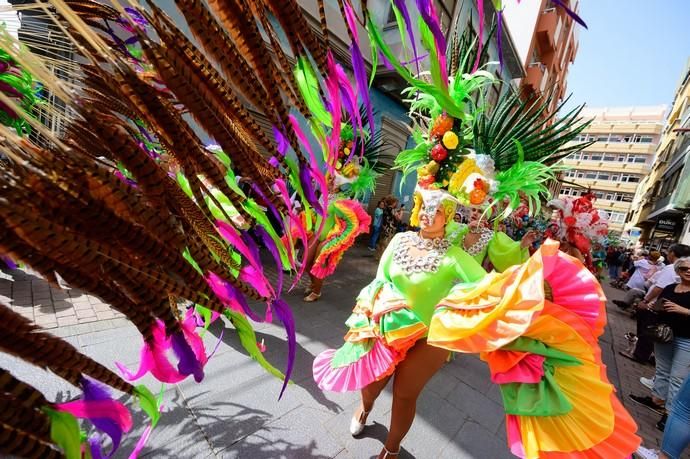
x,y
128,203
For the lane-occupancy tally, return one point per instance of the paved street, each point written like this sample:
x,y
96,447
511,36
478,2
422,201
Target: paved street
x,y
234,412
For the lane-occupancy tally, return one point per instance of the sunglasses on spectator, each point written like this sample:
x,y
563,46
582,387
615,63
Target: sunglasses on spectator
x,y
684,269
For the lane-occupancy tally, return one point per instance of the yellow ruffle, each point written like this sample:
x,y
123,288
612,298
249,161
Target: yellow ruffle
x,y
493,313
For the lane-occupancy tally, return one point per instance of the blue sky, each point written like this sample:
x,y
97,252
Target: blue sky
x,y
632,54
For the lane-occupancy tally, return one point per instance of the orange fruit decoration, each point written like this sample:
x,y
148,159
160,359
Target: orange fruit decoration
x,y
442,124
477,196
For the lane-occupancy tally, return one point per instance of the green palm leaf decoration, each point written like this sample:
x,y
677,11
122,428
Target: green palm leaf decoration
x,y
374,146
543,137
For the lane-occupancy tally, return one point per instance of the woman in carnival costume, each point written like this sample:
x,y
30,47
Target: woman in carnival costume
x,y
533,324
490,247
580,225
352,178
535,328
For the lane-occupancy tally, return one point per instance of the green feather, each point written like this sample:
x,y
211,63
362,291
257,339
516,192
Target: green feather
x,y
308,85
248,340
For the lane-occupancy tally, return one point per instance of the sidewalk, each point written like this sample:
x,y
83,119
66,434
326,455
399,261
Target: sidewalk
x,y
48,306
630,372
234,412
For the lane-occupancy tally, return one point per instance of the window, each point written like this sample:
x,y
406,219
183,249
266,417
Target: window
x,y
609,157
614,178
609,196
585,156
596,157
640,159
603,176
591,175
646,139
580,175
621,158
599,194
615,138
627,197
603,138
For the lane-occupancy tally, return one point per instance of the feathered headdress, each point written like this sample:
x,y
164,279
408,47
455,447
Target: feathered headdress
x,y
580,223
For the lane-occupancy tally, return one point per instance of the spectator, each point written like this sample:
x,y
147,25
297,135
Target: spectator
x,y
376,225
676,431
645,266
613,261
672,357
664,277
388,224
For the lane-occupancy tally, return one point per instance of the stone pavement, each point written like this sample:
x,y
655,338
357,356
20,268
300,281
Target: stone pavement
x,y
234,412
620,323
47,305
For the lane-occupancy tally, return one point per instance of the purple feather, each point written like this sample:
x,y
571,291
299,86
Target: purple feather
x,y
571,13
94,391
400,5
273,248
428,12
282,143
8,261
284,314
266,202
359,70
305,174
251,245
231,296
95,447
188,363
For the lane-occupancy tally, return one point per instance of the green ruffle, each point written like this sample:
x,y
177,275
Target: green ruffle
x,y
398,320
350,352
357,320
544,398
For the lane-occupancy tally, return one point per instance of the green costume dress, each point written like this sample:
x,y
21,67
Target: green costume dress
x,y
501,250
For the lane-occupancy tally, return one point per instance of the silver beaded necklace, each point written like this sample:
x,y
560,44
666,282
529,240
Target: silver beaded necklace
x,y
436,248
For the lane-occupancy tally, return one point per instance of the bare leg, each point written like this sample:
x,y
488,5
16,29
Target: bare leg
x,y
369,396
315,284
421,363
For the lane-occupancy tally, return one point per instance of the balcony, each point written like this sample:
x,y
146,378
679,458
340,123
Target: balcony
x,y
536,76
548,29
609,166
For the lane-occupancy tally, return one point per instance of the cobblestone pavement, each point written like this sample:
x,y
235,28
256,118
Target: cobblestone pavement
x,y
630,372
50,306
234,412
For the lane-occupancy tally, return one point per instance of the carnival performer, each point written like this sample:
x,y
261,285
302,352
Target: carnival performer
x,y
430,297
490,247
346,219
536,324
580,225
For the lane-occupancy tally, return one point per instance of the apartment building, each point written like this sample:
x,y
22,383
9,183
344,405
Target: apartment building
x,y
546,40
662,215
614,166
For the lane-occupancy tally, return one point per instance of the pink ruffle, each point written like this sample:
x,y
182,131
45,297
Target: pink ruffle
x,y
514,436
374,365
528,370
574,287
